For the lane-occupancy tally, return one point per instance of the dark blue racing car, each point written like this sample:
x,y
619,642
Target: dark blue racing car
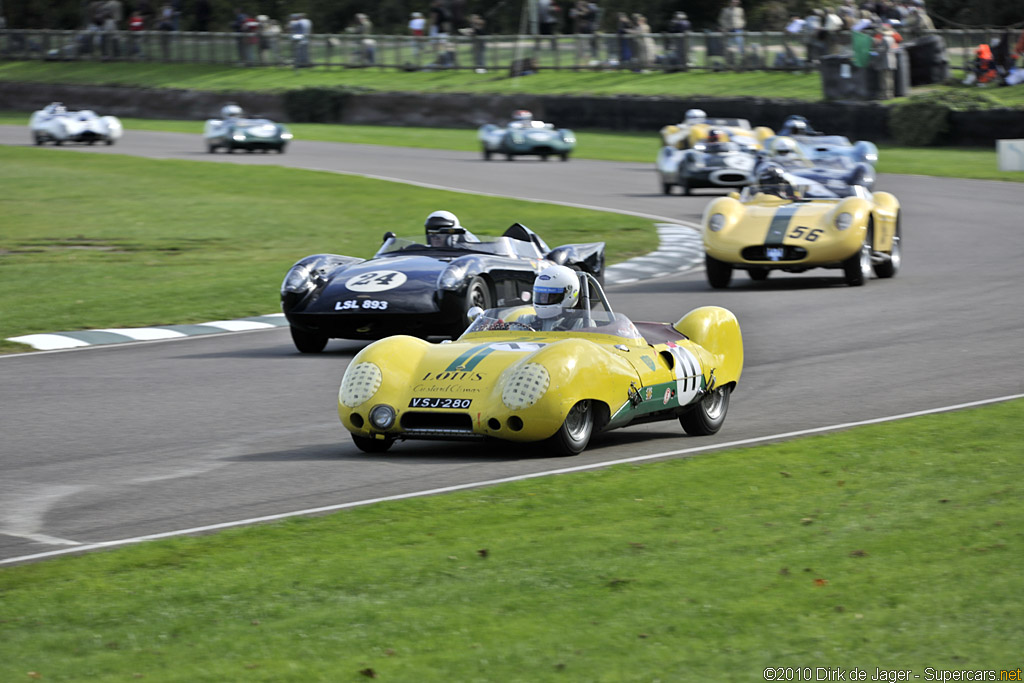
x,y
420,289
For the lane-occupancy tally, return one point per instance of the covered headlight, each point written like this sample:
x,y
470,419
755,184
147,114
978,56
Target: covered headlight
x,y
360,383
286,135
716,222
844,221
452,277
518,138
238,137
525,386
382,416
297,280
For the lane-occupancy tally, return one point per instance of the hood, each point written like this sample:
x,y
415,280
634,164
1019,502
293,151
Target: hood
x,y
406,283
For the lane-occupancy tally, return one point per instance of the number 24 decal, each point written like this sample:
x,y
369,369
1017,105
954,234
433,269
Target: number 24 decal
x,y
809,234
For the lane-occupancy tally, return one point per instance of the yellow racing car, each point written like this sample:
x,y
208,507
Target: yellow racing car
x,y
515,377
781,224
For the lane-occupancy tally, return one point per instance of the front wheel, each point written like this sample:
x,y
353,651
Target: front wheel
x,y
857,268
758,274
487,153
368,445
308,342
891,265
574,434
706,418
719,272
564,156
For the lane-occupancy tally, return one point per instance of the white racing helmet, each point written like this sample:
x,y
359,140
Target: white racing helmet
x,y
442,228
555,290
784,147
522,115
230,110
695,116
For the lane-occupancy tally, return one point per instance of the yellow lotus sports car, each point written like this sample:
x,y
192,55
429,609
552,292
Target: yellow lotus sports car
x,y
514,377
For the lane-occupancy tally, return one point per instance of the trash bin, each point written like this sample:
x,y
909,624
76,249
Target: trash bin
x,y
928,60
841,79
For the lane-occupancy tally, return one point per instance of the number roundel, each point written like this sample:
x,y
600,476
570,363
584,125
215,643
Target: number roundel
x,y
375,281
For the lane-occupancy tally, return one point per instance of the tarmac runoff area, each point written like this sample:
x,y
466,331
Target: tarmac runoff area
x,y
681,249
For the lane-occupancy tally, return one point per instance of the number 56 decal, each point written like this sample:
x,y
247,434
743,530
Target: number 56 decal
x,y
809,234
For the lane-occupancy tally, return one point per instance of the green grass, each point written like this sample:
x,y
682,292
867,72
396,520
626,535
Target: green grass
x,y
895,546
797,86
191,242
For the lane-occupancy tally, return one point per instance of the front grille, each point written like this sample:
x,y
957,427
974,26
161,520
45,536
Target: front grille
x,y
759,253
438,425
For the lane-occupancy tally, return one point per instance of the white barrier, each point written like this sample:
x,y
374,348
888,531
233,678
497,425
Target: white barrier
x,y
1010,154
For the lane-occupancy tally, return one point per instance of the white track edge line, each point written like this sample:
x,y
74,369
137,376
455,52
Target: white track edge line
x,y
506,480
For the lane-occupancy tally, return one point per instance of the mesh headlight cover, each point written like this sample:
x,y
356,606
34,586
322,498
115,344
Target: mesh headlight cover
x,y
525,386
360,383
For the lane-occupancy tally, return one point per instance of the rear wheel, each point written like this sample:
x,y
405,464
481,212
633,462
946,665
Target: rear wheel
x,y
574,434
684,184
487,153
706,418
308,342
666,188
368,445
211,148
857,268
719,273
477,294
891,265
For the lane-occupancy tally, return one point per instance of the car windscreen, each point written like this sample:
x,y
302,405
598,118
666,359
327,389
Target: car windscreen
x,y
524,319
499,247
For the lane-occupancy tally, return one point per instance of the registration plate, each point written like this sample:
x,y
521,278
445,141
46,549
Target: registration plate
x,y
440,402
774,253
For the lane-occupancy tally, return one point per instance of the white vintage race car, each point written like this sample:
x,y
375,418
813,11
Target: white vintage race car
x,y
54,123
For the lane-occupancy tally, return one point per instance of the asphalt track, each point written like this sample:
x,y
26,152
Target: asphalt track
x,y
114,442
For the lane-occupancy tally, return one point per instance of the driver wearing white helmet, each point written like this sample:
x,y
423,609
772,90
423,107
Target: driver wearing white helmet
x,y
444,230
556,291
695,116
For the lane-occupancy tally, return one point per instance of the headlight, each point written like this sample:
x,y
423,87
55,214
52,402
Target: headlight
x,y
297,280
452,277
286,136
843,221
525,386
382,416
360,383
238,137
717,222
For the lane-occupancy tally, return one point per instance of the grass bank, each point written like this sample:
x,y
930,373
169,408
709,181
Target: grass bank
x,y
894,546
192,242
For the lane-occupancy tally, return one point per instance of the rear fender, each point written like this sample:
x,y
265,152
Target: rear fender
x,y
718,332
588,256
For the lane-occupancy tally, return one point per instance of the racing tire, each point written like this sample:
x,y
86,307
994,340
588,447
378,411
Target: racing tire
x,y
211,149
58,143
487,154
37,139
574,434
509,157
857,268
280,150
110,142
719,272
758,274
564,156
478,293
308,342
543,157
891,265
684,185
368,445
706,418
666,188
90,142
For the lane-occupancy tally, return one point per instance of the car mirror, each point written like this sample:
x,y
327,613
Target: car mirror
x,y
388,235
474,313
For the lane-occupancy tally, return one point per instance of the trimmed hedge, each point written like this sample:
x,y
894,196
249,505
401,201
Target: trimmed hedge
x,y
924,119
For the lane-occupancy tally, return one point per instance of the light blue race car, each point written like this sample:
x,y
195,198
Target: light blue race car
x,y
524,135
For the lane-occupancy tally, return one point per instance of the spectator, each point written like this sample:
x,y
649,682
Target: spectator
x,y
831,26
300,28
681,26
417,24
732,19
548,13
135,24
439,21
165,25
366,52
476,30
885,44
647,51
585,17
624,31
112,14
270,37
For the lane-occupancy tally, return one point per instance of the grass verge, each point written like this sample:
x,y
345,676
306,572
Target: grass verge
x,y
110,241
894,546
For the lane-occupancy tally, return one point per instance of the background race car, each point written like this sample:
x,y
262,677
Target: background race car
x,y
687,135
706,164
419,289
54,123
504,379
837,173
233,131
777,227
524,135
818,146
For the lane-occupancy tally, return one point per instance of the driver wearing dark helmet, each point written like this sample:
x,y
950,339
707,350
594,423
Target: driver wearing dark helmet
x,y
771,179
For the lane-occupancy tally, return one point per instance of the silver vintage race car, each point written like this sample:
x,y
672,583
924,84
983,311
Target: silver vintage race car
x,y
524,135
234,131
713,162
817,146
54,123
